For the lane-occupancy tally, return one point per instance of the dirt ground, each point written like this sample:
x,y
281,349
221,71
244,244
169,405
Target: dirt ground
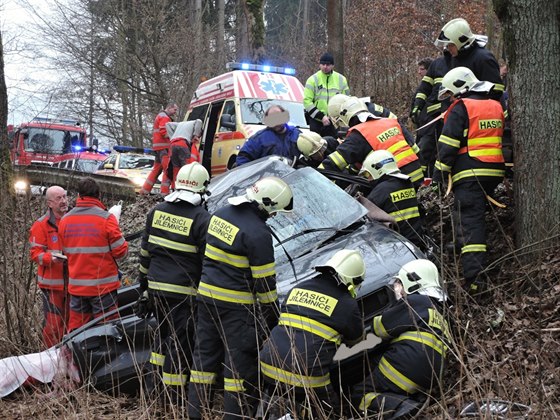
x,y
506,345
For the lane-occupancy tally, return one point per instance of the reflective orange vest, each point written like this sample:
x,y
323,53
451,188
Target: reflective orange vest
x,y
92,241
160,138
43,240
486,128
386,134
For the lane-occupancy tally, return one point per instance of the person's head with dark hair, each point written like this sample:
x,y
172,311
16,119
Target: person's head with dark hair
x,y
423,66
88,187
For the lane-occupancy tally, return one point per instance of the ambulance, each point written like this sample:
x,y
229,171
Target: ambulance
x,y
232,105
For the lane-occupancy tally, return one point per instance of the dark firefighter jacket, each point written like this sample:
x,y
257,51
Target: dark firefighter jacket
x,y
470,146
397,197
172,249
239,265
483,64
317,315
375,134
426,98
419,335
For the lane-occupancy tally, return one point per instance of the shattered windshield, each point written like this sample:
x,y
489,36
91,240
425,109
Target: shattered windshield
x,y
252,111
321,208
129,161
49,141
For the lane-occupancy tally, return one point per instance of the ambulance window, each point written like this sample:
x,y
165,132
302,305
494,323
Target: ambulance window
x,y
229,109
199,113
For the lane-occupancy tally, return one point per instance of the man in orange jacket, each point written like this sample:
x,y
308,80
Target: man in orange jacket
x,y
160,144
45,249
92,240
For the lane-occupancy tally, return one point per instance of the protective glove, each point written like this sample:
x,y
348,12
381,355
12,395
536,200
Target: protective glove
x,y
144,306
414,115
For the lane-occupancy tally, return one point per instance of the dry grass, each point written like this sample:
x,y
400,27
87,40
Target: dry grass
x,y
515,359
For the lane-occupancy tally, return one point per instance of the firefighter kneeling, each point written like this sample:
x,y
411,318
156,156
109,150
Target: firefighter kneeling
x,y
415,333
317,316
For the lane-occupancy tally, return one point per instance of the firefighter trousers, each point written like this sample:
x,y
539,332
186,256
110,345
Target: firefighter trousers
x,y
426,141
226,343
470,208
173,344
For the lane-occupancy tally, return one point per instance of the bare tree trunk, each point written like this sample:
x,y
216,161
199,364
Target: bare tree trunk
x,y
534,83
305,23
220,34
335,32
255,27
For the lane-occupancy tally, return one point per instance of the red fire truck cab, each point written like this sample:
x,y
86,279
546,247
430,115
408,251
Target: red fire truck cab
x,y
46,141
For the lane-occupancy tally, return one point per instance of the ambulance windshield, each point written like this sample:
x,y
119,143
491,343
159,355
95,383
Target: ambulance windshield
x,y
253,109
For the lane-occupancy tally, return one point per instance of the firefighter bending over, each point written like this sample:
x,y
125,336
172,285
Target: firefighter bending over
x,y
369,132
238,280
171,257
414,332
394,193
317,316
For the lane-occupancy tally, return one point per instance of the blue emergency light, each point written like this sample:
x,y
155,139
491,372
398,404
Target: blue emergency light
x,y
265,68
132,149
77,148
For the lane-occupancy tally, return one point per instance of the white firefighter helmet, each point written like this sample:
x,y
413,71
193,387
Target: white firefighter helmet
x,y
457,32
271,193
334,105
353,107
192,177
379,163
310,143
421,276
456,82
349,267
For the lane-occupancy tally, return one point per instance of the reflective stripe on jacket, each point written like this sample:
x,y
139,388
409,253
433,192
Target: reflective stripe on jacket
x,y
43,240
92,240
486,128
160,138
386,134
319,89
172,248
238,267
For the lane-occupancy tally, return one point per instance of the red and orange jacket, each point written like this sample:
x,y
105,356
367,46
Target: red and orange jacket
x,y
43,240
92,241
160,139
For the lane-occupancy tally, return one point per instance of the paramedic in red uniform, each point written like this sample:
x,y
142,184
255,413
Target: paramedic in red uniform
x,y
160,144
44,247
93,242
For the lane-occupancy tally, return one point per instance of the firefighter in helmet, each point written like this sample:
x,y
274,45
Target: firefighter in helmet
x,y
394,193
317,316
470,155
171,257
415,334
236,297
468,50
314,148
368,132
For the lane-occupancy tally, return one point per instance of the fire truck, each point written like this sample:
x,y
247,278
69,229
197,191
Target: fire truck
x,y
46,141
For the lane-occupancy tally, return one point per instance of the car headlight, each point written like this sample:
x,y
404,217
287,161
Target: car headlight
x,y
138,181
21,186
